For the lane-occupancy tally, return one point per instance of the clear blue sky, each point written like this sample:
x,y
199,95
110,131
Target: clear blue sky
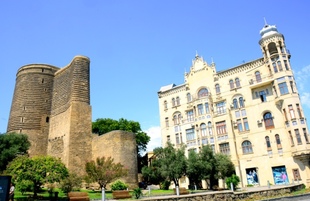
x,y
137,46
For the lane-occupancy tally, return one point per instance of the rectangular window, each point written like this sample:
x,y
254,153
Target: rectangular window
x,y
305,135
291,110
211,140
292,87
291,137
283,88
168,138
285,64
207,108
200,109
167,122
204,141
224,148
190,134
298,136
299,111
221,128
246,124
243,113
190,115
296,174
237,114
177,138
239,125
221,108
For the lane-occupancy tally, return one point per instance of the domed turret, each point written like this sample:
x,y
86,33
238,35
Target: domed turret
x,y
268,30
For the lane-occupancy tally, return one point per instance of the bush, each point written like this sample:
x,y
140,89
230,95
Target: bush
x,y
164,185
24,186
119,185
137,192
71,183
234,179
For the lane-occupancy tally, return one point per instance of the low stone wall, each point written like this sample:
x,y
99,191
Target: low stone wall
x,y
253,193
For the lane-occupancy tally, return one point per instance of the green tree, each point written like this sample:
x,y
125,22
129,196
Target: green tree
x,y
12,145
152,174
194,169
234,180
104,171
171,162
224,166
38,170
209,165
105,125
71,183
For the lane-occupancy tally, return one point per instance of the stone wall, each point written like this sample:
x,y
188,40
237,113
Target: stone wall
x,y
121,146
252,194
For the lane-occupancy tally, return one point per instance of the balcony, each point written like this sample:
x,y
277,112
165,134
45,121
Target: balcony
x,y
262,81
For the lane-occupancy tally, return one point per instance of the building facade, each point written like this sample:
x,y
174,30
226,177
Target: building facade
x,y
251,112
52,106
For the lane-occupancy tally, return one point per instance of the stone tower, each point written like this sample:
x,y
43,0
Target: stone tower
x,y
31,105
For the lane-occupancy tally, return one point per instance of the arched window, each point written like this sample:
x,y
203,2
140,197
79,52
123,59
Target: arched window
x,y
178,101
202,92
203,129
173,102
257,76
237,82
268,143
165,104
268,120
235,103
247,147
278,141
241,102
231,84
189,97
217,89
175,119
210,128
179,117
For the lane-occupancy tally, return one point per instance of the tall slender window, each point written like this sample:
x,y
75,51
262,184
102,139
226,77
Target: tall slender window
x,y
286,65
291,137
298,136
241,102
235,103
177,138
203,129
292,87
268,143
189,97
299,111
305,135
167,122
173,102
291,110
175,119
178,101
179,117
190,134
285,115
262,95
200,109
190,115
283,88
257,76
221,108
278,141
246,124
207,108
231,84
217,89
210,128
239,125
165,104
268,119
280,66
221,128
237,82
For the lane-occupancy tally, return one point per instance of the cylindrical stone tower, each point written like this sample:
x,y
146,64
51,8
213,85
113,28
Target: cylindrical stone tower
x,y
31,105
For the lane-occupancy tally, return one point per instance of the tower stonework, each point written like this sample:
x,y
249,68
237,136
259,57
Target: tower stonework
x,y
52,106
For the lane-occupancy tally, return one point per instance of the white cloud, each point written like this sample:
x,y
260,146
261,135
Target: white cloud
x,y
302,78
305,99
155,134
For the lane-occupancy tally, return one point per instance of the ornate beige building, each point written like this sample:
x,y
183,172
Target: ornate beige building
x,y
251,112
